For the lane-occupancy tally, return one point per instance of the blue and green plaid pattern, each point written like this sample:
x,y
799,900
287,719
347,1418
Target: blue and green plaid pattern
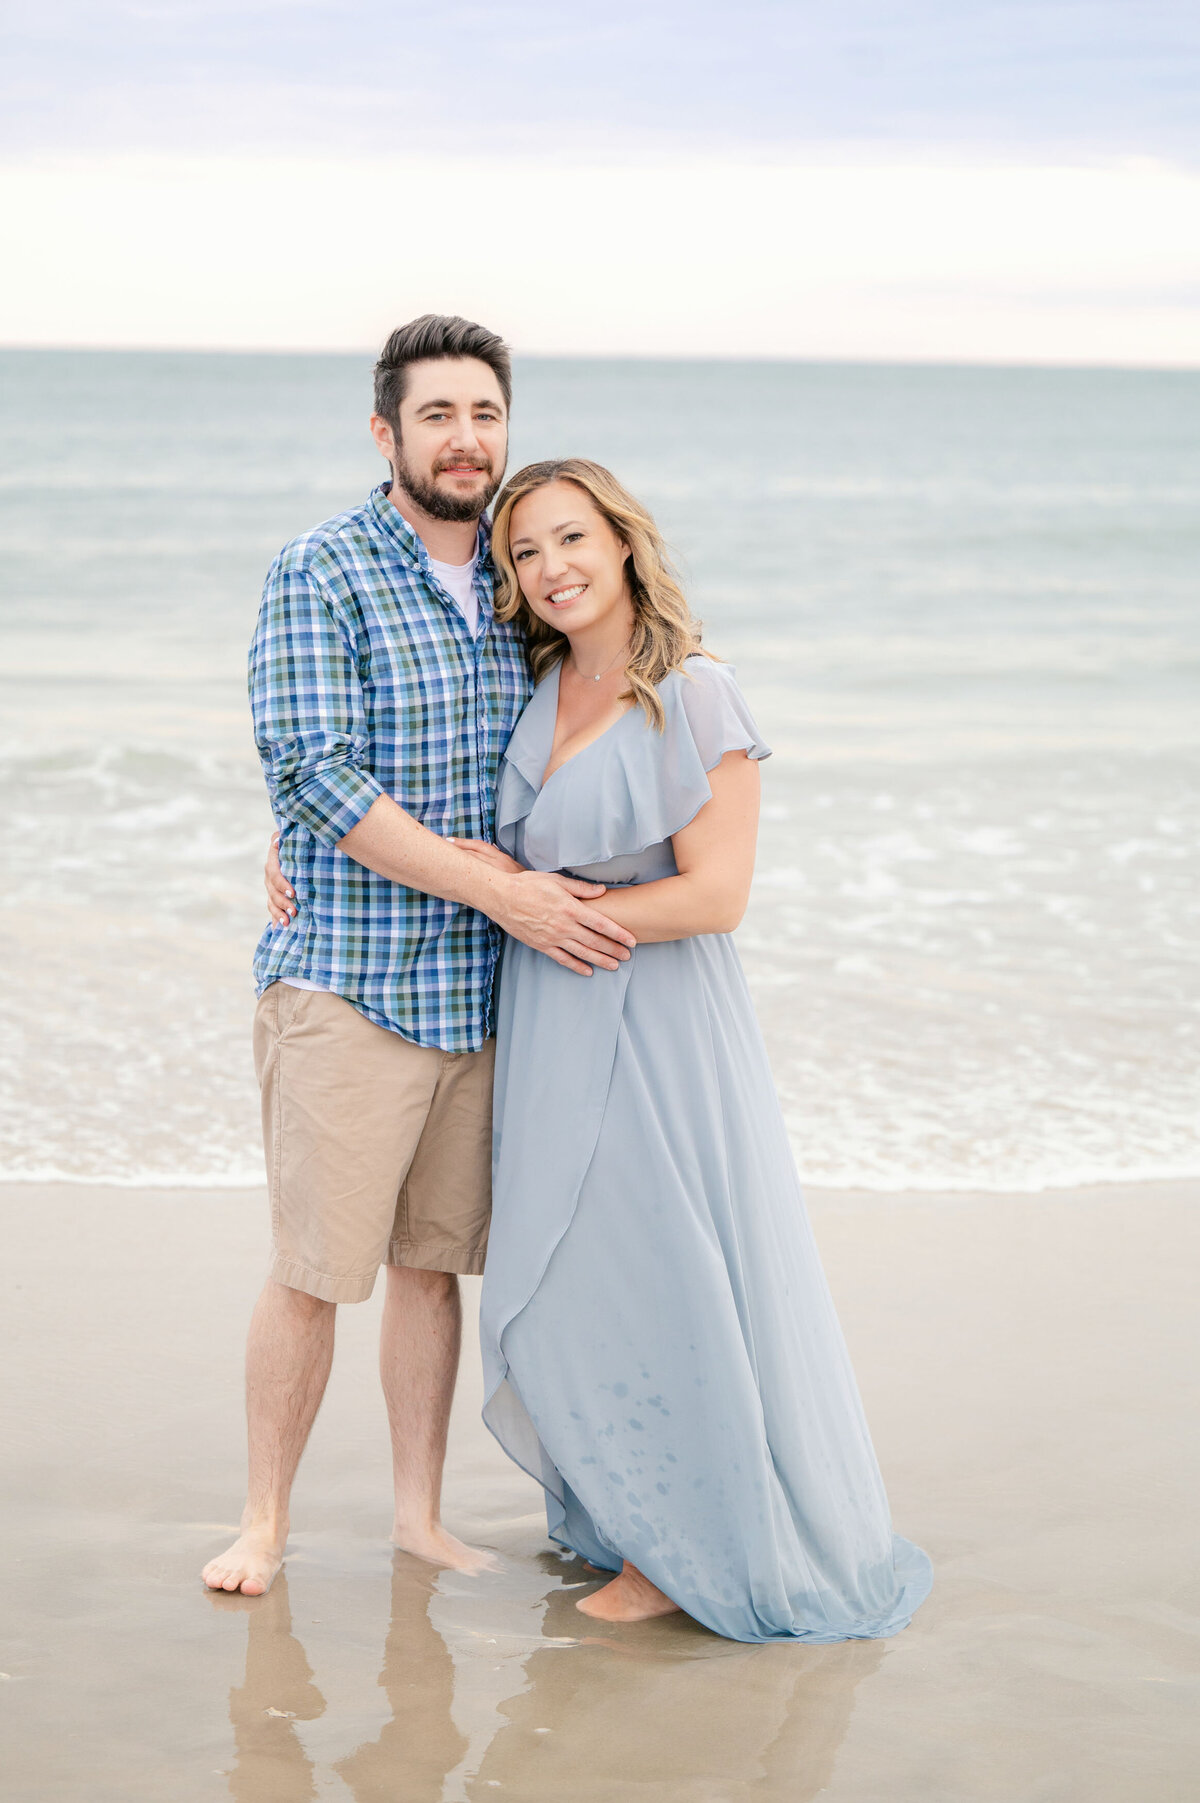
x,y
365,681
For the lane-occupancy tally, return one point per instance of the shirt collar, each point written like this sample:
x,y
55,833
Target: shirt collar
x,y
392,522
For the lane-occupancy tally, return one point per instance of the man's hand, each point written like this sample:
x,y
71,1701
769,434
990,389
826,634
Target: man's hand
x,y
551,913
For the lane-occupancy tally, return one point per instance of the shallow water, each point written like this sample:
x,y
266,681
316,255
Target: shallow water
x,y
962,602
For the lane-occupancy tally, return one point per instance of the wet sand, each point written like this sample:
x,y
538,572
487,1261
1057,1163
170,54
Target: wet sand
x,y
1029,1368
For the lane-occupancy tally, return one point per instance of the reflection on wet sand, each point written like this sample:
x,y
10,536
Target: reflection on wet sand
x,y
671,1711
271,1765
415,1751
664,1707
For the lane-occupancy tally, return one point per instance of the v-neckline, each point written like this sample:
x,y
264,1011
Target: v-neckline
x,y
553,712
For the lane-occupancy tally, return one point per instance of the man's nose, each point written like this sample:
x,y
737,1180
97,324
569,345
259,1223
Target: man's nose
x,y
464,437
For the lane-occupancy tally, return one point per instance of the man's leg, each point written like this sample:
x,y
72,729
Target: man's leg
x,y
440,1229
288,1355
344,1103
418,1362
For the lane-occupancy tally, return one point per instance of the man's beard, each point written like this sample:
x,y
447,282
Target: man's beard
x,y
439,504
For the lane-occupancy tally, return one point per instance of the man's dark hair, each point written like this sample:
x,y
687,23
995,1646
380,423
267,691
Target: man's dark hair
x,y
433,336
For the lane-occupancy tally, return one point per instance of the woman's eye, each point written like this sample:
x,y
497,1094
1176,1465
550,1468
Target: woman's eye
x,y
568,536
521,556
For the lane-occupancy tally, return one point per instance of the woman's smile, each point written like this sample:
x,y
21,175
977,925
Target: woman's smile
x,y
560,597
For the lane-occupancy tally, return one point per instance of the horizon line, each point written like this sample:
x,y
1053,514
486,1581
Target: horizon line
x,y
868,360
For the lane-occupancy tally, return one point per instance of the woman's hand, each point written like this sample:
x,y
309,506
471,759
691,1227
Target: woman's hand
x,y
281,899
491,854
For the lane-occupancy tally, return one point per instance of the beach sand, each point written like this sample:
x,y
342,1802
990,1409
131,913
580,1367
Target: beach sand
x,y
1028,1365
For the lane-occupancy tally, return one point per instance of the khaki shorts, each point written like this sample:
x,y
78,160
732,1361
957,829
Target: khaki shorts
x,y
379,1151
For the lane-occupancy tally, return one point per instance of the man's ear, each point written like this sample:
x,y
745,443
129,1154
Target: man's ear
x,y
385,438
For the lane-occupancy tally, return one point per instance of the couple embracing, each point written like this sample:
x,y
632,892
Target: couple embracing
x,y
500,1012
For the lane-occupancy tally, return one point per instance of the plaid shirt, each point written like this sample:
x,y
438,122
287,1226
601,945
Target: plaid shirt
x,y
365,681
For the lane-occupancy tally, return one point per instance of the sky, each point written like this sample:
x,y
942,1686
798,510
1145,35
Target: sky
x,y
979,181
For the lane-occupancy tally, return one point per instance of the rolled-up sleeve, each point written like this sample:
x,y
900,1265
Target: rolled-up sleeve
x,y
310,722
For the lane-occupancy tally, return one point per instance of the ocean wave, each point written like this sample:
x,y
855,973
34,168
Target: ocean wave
x,y
968,979
835,1176
248,1176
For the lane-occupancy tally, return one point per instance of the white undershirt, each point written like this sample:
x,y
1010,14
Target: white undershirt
x,y
458,580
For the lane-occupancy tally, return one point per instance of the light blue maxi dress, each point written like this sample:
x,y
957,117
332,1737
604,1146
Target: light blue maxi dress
x,y
660,1348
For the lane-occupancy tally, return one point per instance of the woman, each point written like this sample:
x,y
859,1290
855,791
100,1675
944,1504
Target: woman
x,y
660,1348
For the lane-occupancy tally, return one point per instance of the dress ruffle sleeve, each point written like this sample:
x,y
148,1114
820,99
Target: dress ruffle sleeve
x,y
716,716
707,715
632,788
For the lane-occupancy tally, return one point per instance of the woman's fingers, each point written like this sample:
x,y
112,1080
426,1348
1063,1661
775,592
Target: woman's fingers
x,y
281,900
281,897
575,885
491,854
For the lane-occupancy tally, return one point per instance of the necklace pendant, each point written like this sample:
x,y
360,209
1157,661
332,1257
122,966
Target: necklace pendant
x,y
595,679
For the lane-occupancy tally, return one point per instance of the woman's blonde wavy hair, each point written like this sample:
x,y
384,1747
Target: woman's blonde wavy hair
x,y
664,631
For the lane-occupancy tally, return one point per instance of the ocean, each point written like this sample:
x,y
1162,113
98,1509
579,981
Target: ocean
x,y
962,602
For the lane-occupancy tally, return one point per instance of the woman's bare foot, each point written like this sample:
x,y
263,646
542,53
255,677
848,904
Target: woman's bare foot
x,y
630,1597
440,1548
251,1562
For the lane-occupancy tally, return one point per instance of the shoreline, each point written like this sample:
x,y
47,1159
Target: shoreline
x,y
819,1194
1025,1368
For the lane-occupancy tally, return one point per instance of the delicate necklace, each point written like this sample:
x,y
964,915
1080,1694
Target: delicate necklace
x,y
600,673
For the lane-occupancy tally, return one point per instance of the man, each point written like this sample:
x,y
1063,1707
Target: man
x,y
383,694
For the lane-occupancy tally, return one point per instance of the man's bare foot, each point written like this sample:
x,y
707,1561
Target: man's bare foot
x,y
630,1597
440,1548
251,1562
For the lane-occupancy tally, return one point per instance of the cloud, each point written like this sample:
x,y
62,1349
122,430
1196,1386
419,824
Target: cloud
x,y
978,179
1031,80
682,256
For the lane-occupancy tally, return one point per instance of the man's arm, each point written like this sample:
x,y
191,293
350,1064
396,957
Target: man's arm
x,y
311,730
310,722
550,913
